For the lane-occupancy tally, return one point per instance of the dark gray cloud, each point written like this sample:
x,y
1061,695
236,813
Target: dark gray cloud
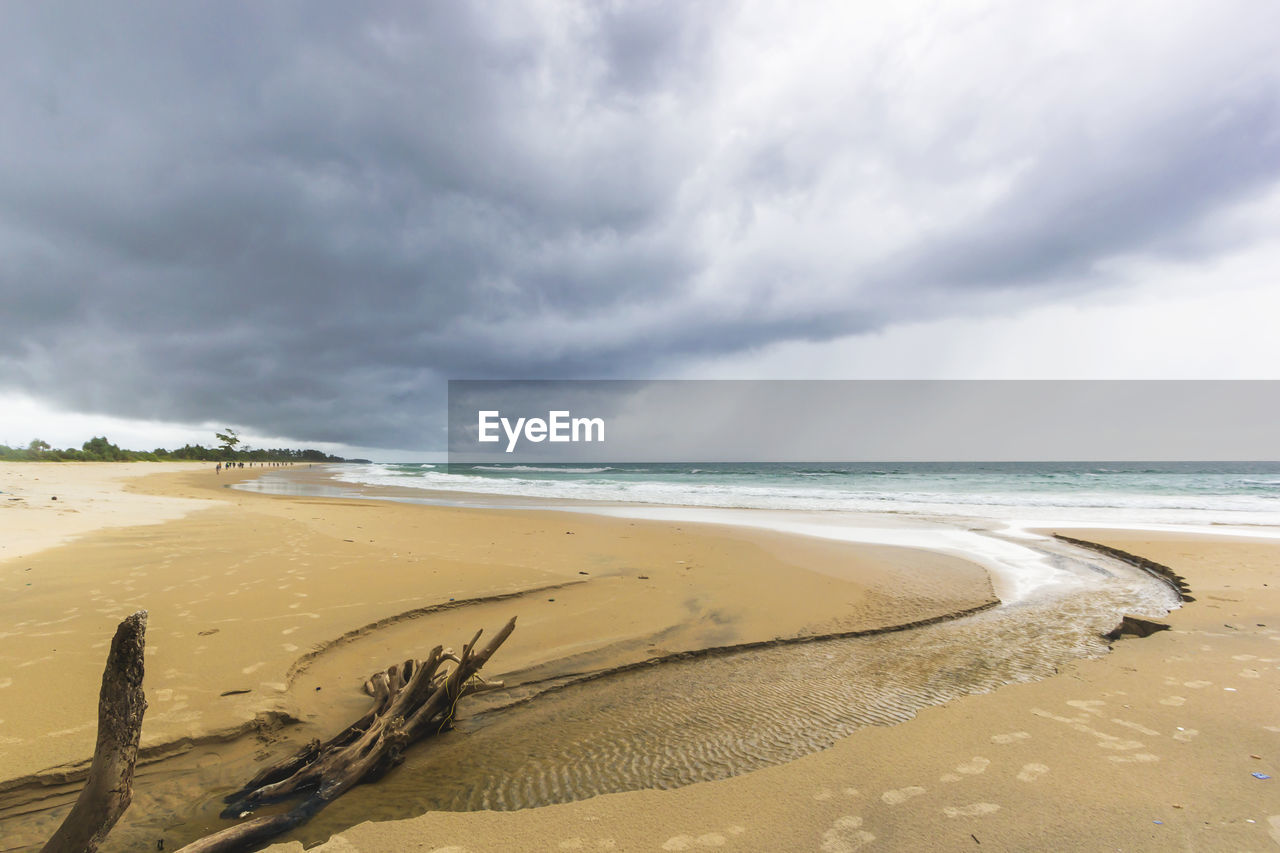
x,y
303,218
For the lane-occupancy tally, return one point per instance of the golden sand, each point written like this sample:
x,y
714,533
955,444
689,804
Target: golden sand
x,y
266,598
1150,748
253,599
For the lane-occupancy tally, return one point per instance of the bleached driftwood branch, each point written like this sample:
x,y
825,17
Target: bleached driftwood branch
x,y
410,701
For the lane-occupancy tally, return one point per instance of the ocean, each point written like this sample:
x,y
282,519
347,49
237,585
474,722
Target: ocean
x,y
1109,493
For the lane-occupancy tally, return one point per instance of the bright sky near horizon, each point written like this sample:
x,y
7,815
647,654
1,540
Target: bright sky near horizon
x,y
301,221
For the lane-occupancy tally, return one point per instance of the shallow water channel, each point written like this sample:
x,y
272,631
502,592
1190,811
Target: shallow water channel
x,y
673,724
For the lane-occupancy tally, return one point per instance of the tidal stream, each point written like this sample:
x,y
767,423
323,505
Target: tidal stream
x,y
675,723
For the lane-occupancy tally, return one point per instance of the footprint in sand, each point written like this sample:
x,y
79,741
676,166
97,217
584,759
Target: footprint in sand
x,y
1089,706
582,844
1173,701
1011,737
846,835
901,795
1185,735
1139,758
823,794
974,766
1032,772
5,682
1119,744
972,810
1249,673
1137,727
254,667
688,842
1196,685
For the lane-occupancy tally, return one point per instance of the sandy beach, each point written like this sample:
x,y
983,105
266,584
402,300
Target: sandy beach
x,y
848,428
253,602
1153,747
269,609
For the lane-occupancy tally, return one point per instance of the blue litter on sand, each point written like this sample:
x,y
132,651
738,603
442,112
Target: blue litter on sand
x,y
1159,822
1260,775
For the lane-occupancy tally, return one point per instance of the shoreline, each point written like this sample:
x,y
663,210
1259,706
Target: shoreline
x,y
506,562
243,590
1004,546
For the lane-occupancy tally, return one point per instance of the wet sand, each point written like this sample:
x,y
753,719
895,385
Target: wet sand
x,y
1149,747
1153,747
255,601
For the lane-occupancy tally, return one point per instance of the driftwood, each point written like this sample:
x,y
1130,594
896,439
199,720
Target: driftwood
x,y
410,701
108,790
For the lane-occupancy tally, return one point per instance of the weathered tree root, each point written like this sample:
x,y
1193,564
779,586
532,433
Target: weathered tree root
x,y
411,701
108,790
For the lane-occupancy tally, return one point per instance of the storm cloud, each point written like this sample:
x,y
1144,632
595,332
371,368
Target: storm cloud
x,y
303,218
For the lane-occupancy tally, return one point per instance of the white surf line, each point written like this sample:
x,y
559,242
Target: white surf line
x,y
1024,529
1017,571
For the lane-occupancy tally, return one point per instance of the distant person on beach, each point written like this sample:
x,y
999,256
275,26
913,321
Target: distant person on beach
x,y
218,468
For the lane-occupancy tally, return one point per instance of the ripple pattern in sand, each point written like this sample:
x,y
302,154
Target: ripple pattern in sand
x,y
699,719
712,718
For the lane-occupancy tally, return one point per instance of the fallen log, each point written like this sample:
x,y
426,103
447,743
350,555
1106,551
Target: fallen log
x,y
410,701
108,790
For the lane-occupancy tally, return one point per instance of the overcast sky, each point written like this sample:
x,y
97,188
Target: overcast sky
x,y
301,219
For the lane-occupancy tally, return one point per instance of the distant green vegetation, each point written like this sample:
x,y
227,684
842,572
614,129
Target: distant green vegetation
x,y
99,449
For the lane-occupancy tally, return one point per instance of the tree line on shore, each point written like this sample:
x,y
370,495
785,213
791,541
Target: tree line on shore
x,y
99,449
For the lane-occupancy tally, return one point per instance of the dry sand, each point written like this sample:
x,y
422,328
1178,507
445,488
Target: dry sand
x,y
45,504
1150,747
257,600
